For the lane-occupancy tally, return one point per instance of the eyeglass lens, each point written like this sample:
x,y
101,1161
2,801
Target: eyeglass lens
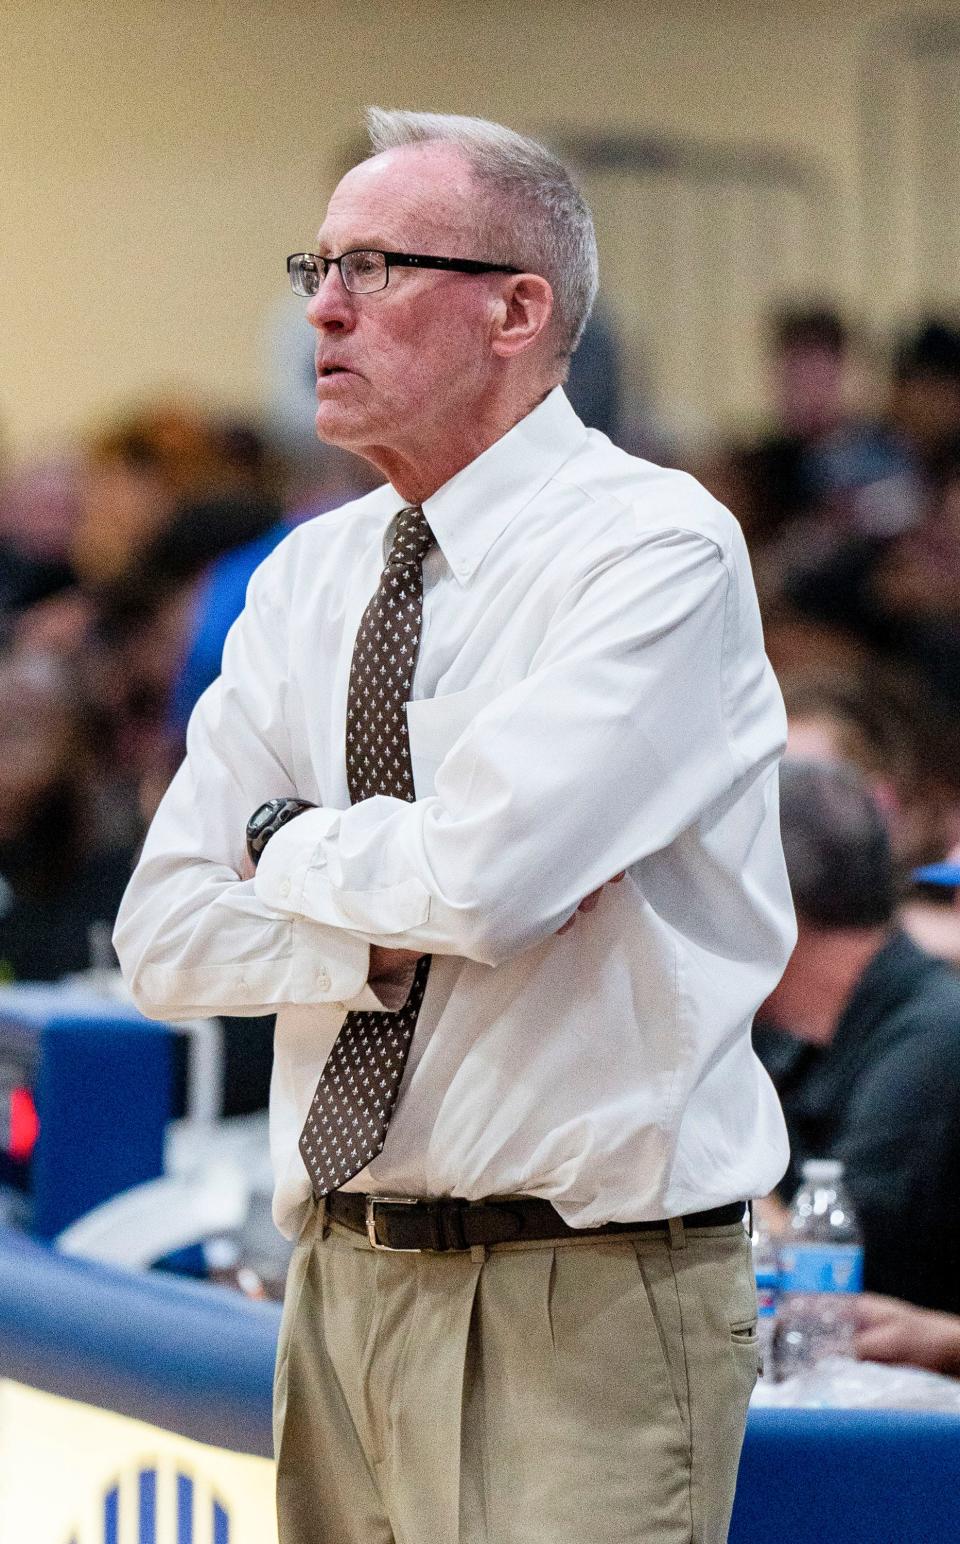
x,y
304,274
361,272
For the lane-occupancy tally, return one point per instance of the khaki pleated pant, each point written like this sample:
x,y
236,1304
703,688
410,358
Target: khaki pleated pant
x,y
590,1392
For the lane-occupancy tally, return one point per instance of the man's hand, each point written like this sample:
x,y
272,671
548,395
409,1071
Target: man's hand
x,y
391,974
773,1214
891,1331
589,902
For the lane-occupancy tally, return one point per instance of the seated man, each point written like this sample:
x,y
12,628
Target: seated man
x,y
862,1039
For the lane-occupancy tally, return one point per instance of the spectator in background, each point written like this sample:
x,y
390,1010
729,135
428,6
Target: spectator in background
x,y
808,356
912,593
872,718
840,717
932,915
925,399
143,470
861,721
218,600
919,578
131,480
166,493
135,472
893,581
60,880
39,511
826,471
801,480
188,585
862,1039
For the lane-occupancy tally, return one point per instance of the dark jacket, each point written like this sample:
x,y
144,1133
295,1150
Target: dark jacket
x,y
884,1097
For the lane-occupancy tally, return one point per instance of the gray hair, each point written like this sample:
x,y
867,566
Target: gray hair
x,y
536,218
841,867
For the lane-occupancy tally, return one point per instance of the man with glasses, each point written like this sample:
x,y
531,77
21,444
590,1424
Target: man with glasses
x,y
515,1112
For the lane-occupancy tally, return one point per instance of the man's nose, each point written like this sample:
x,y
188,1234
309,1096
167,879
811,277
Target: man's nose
x,y
332,305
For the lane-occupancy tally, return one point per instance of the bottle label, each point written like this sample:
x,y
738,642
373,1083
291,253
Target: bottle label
x,y
766,1302
822,1268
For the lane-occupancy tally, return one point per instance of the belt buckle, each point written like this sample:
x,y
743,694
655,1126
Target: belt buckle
x,y
372,1202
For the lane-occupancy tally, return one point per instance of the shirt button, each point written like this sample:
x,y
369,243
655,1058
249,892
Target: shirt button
x,y
323,980
285,887
339,1007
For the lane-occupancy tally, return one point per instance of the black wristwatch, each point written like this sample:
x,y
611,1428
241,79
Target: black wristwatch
x,y
267,820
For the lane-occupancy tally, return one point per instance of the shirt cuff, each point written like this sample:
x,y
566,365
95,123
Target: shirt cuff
x,y
288,857
340,976
293,877
334,973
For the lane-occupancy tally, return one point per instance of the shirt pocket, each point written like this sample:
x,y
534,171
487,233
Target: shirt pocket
x,y
435,724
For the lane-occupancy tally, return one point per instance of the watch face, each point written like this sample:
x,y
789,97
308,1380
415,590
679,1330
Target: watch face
x,y
261,826
267,820
262,817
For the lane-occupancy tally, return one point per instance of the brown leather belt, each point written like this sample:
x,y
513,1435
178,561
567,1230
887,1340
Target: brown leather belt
x,y
410,1224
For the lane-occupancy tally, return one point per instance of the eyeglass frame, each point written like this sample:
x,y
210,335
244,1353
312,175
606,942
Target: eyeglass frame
x,y
395,260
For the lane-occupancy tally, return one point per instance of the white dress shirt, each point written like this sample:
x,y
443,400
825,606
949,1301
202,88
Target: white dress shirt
x,y
591,694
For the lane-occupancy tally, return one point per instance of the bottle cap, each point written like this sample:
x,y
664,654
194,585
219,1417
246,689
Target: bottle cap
x,y
820,1170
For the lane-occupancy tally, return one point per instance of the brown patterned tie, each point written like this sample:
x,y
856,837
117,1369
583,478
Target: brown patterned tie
x,y
348,1119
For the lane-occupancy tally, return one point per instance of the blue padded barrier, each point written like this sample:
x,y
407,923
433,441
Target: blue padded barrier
x,y
103,1090
849,1477
188,1357
199,1360
101,1078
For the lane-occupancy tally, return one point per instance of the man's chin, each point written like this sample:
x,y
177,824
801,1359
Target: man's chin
x,y
335,424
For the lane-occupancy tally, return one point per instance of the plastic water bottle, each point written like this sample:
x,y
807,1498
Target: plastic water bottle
x,y
766,1267
821,1268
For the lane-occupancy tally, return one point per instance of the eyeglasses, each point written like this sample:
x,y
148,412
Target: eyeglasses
x,y
363,271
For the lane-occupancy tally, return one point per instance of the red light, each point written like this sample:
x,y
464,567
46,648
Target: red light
x,y
24,1124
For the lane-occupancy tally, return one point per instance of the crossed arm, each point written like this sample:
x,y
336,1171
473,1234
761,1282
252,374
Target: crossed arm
x,y
613,743
391,970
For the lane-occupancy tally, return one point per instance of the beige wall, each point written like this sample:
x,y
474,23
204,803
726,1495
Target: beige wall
x,y
158,158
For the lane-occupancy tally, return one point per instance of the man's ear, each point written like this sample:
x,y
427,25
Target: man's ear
x,y
522,314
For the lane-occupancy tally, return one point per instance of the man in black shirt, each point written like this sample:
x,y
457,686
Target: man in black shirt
x,y
862,1039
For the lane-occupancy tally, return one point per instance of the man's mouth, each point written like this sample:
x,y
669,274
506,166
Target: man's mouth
x,y
324,371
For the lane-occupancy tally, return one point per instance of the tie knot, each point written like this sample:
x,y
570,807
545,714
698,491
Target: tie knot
x,y
412,538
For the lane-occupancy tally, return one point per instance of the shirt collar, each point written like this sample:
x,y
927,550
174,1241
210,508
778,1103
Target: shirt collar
x,y
470,511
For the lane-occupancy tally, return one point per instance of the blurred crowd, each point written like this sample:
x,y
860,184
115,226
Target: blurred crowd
x,y
124,561
122,565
